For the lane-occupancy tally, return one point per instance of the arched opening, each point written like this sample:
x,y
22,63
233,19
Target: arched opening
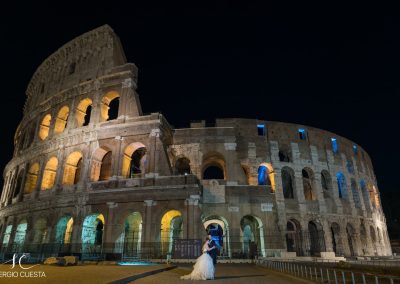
x,y
354,191
49,174
308,184
213,172
266,176
39,233
294,241
134,160
101,165
351,239
365,194
213,166
18,185
374,196
61,120
45,127
218,228
20,235
83,112
31,178
182,166
284,154
6,236
92,233
63,233
72,168
109,106
342,187
287,182
171,229
336,239
252,235
316,235
326,181
363,239
132,235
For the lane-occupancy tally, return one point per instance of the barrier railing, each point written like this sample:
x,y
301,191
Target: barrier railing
x,y
330,275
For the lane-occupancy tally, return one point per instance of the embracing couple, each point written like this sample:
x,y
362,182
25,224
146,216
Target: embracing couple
x,y
204,268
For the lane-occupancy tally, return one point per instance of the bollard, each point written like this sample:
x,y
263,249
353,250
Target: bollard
x,y
301,267
305,270
376,280
363,278
327,275
310,273
322,275
343,277
316,275
391,281
334,274
352,278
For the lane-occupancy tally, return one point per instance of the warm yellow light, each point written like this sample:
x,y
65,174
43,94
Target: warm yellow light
x,y
49,174
61,119
45,127
31,178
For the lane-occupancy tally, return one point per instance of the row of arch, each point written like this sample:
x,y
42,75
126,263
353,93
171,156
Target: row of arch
x,y
345,241
108,111
369,193
129,240
109,108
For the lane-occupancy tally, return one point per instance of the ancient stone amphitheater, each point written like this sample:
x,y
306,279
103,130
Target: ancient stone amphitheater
x,y
93,176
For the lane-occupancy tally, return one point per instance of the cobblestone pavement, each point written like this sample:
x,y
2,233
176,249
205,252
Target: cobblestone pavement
x,y
225,273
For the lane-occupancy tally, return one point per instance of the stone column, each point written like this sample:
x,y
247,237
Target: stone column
x,y
76,240
22,189
191,217
118,157
109,228
148,234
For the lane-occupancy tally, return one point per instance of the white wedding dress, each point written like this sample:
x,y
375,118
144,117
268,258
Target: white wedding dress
x,y
203,269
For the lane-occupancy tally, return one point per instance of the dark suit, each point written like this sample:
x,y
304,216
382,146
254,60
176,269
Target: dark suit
x,y
213,252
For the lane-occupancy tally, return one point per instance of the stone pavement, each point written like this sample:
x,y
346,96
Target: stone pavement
x,y
225,273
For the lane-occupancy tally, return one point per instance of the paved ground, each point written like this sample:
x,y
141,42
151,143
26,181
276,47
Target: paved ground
x,y
225,273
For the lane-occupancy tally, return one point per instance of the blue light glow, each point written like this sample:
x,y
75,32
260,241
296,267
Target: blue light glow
x,y
262,175
355,150
136,263
261,129
334,145
302,134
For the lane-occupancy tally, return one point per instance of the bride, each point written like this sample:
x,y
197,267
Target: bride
x,y
203,269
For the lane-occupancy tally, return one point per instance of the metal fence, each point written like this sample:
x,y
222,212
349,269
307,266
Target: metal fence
x,y
323,274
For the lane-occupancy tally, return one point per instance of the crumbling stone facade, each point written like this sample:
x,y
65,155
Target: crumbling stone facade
x,y
91,173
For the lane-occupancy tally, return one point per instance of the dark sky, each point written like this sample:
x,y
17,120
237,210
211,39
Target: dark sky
x,y
338,72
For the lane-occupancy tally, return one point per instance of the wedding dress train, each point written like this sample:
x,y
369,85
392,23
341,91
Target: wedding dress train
x,y
203,269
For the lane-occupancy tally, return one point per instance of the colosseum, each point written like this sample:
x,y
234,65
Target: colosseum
x,y
93,176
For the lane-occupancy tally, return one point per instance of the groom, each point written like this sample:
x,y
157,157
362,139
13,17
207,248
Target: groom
x,y
213,252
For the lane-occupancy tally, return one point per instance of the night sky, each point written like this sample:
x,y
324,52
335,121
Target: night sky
x,y
332,71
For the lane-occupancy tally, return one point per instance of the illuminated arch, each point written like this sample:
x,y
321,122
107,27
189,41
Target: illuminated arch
x,y
45,127
72,168
64,230
171,228
101,164
49,174
130,240
107,103
308,184
92,233
252,236
266,175
40,231
83,112
20,234
134,161
224,240
31,178
61,119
